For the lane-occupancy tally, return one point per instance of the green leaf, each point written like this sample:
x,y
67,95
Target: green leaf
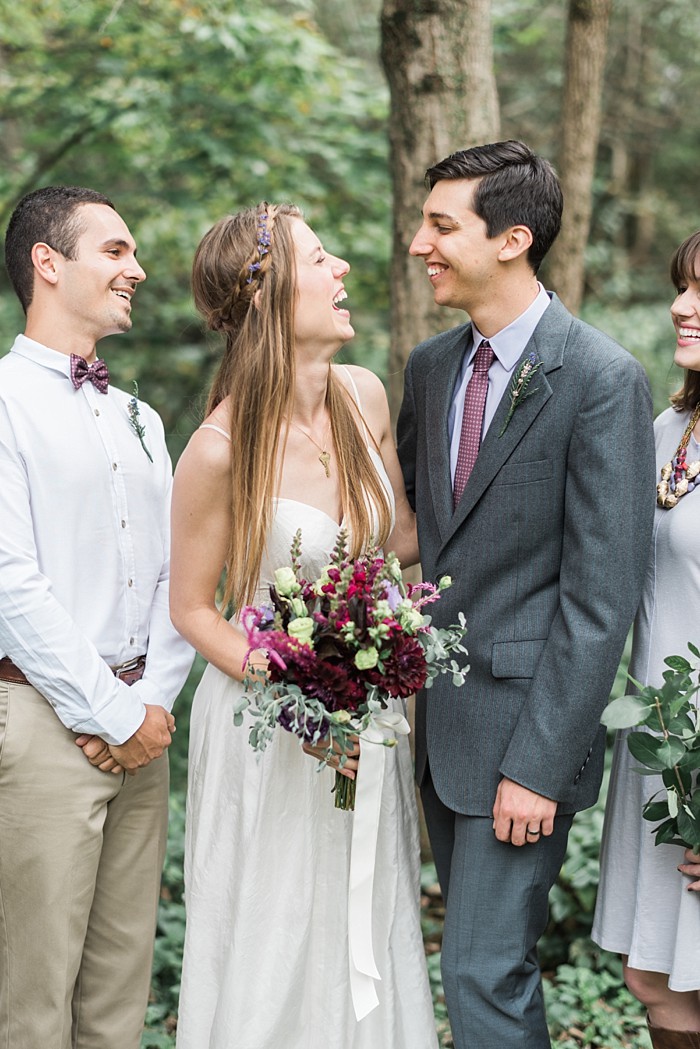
x,y
653,752
625,712
681,725
666,834
687,825
655,811
678,663
690,760
672,776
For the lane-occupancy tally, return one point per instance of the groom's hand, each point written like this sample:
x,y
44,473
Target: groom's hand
x,y
520,816
148,742
97,752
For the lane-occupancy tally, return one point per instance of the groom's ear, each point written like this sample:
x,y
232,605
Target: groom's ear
x,y
516,241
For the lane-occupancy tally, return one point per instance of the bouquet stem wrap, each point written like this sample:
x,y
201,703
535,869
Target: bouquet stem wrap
x,y
368,798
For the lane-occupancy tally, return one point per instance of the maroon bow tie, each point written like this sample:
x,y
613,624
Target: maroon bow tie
x,y
97,373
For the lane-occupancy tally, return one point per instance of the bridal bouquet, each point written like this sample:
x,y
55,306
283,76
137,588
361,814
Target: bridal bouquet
x,y
339,647
670,747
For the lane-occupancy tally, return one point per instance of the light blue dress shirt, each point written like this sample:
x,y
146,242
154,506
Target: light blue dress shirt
x,y
507,345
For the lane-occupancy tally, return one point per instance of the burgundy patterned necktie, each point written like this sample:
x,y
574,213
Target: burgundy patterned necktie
x,y
97,373
473,418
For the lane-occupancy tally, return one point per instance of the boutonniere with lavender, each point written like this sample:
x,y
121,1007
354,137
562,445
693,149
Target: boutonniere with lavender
x,y
135,419
520,386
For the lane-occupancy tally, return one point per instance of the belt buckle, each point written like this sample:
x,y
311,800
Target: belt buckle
x,y
124,668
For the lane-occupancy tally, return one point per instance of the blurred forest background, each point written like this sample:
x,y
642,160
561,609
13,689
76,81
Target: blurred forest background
x,y
182,111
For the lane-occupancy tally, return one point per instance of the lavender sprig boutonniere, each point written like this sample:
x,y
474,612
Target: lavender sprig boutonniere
x,y
520,385
135,420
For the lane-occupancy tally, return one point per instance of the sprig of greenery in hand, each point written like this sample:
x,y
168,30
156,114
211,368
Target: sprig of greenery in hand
x,y
670,747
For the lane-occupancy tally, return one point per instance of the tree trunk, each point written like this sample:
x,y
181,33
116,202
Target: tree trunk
x,y
437,56
586,46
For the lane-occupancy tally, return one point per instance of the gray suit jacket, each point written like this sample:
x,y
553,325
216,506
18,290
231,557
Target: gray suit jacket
x,y
547,550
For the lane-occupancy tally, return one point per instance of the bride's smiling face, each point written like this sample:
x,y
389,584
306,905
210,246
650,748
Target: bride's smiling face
x,y
318,316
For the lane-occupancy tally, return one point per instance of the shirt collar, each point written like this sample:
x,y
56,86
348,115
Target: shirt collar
x,y
42,355
509,343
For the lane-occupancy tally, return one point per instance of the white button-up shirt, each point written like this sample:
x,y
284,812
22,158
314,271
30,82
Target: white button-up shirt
x,y
507,345
84,545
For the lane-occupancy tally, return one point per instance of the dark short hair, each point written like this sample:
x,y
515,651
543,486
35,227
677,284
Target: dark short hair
x,y
685,262
46,216
684,268
516,188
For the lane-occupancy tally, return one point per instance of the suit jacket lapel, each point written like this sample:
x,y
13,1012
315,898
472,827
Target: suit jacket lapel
x,y
439,389
547,341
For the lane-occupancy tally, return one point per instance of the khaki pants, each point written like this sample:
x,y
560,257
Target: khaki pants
x,y
81,854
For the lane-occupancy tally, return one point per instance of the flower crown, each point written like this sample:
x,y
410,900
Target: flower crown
x,y
263,244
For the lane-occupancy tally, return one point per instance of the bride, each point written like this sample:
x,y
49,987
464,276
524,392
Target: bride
x,y
290,441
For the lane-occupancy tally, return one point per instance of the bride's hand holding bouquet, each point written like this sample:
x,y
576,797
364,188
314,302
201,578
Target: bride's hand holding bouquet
x,y
339,649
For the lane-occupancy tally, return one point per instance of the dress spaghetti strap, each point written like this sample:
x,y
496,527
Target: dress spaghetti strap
x,y
358,402
213,426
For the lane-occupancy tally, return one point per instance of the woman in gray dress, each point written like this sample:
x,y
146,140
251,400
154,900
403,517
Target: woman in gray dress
x,y
648,906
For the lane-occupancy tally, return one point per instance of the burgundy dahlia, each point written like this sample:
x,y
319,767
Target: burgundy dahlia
x,y
335,685
405,669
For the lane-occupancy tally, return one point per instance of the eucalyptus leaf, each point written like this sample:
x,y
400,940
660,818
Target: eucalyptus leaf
x,y
681,725
655,811
645,748
625,712
687,825
690,760
672,803
677,777
678,663
654,752
667,833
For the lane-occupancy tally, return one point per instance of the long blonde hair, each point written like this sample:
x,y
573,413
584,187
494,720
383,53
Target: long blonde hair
x,y
242,255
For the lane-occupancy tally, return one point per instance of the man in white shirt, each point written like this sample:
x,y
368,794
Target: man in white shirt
x,y
90,664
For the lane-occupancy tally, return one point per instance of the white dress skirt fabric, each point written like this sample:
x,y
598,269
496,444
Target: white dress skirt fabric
x,y
266,871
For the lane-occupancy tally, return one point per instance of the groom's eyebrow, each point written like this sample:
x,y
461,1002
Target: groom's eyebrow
x,y
442,215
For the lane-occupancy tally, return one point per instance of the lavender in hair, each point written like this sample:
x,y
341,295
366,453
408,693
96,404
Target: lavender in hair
x,y
263,246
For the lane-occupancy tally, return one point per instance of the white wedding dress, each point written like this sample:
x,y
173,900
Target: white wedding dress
x,y
266,873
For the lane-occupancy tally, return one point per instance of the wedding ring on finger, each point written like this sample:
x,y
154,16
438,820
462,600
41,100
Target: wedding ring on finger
x,y
533,832
328,759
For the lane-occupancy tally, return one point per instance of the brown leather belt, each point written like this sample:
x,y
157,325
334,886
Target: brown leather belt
x,y
128,672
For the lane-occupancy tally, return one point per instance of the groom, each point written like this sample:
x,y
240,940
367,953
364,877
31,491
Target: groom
x,y
526,443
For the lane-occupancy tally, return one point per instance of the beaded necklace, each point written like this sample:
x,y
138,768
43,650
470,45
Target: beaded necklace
x,y
677,477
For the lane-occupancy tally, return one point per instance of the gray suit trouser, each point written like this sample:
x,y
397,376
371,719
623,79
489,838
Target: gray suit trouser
x,y
496,898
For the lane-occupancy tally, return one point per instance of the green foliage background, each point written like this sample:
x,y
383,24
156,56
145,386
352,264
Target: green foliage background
x,y
183,110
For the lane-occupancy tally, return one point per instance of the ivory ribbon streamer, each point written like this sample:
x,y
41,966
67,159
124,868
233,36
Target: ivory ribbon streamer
x,y
363,851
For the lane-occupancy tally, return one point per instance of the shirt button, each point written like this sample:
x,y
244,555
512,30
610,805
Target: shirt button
x,y
131,582
131,640
123,524
97,411
114,466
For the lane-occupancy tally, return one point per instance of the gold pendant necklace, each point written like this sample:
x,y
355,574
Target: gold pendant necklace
x,y
325,456
679,477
